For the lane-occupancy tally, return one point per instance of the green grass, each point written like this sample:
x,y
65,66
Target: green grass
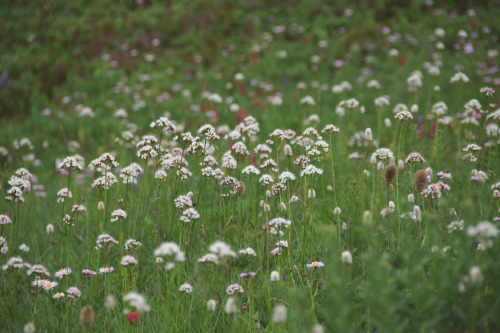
x,y
80,55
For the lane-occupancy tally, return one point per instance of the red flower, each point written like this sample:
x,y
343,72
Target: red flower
x,y
133,318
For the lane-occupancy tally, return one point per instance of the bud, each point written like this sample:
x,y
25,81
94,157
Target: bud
x,y
283,206
367,218
392,206
100,206
275,276
29,328
414,108
279,314
346,257
344,226
230,307
417,214
50,229
496,194
211,304
268,194
387,122
411,198
110,302
337,211
401,165
475,275
87,316
368,134
318,329
133,318
420,180
389,174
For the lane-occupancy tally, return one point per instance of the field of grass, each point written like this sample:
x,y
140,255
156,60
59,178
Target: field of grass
x,y
234,166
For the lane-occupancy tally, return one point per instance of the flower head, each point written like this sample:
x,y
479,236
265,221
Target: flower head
x,y
315,264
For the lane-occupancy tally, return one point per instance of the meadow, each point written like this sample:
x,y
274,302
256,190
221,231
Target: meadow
x,y
244,166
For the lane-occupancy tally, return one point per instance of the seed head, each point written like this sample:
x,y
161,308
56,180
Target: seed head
x,y
390,173
420,180
87,316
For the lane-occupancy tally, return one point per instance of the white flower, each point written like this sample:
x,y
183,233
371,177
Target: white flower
x,y
186,287
221,249
346,257
337,211
137,301
279,314
310,170
275,276
211,305
250,169
230,306
231,289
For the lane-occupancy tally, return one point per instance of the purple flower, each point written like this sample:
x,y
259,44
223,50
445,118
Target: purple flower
x,y
315,264
88,272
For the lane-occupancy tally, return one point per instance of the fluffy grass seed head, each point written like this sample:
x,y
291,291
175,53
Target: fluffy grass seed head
x,y
87,316
420,180
390,173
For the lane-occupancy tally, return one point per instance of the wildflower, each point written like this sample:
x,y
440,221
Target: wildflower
x,y
404,115
29,328
276,251
131,244
346,257
186,288
417,216
389,174
279,314
420,180
210,258
133,318
24,247
248,251
62,194
455,225
249,170
62,272
222,249
459,77
315,264
444,175
128,260
211,305
483,232
231,289
49,285
39,283
230,306
275,276
5,219
189,215
58,295
110,302
475,275
88,273
137,301
310,170
70,163
368,134
87,316
266,179
103,239
106,270
74,292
